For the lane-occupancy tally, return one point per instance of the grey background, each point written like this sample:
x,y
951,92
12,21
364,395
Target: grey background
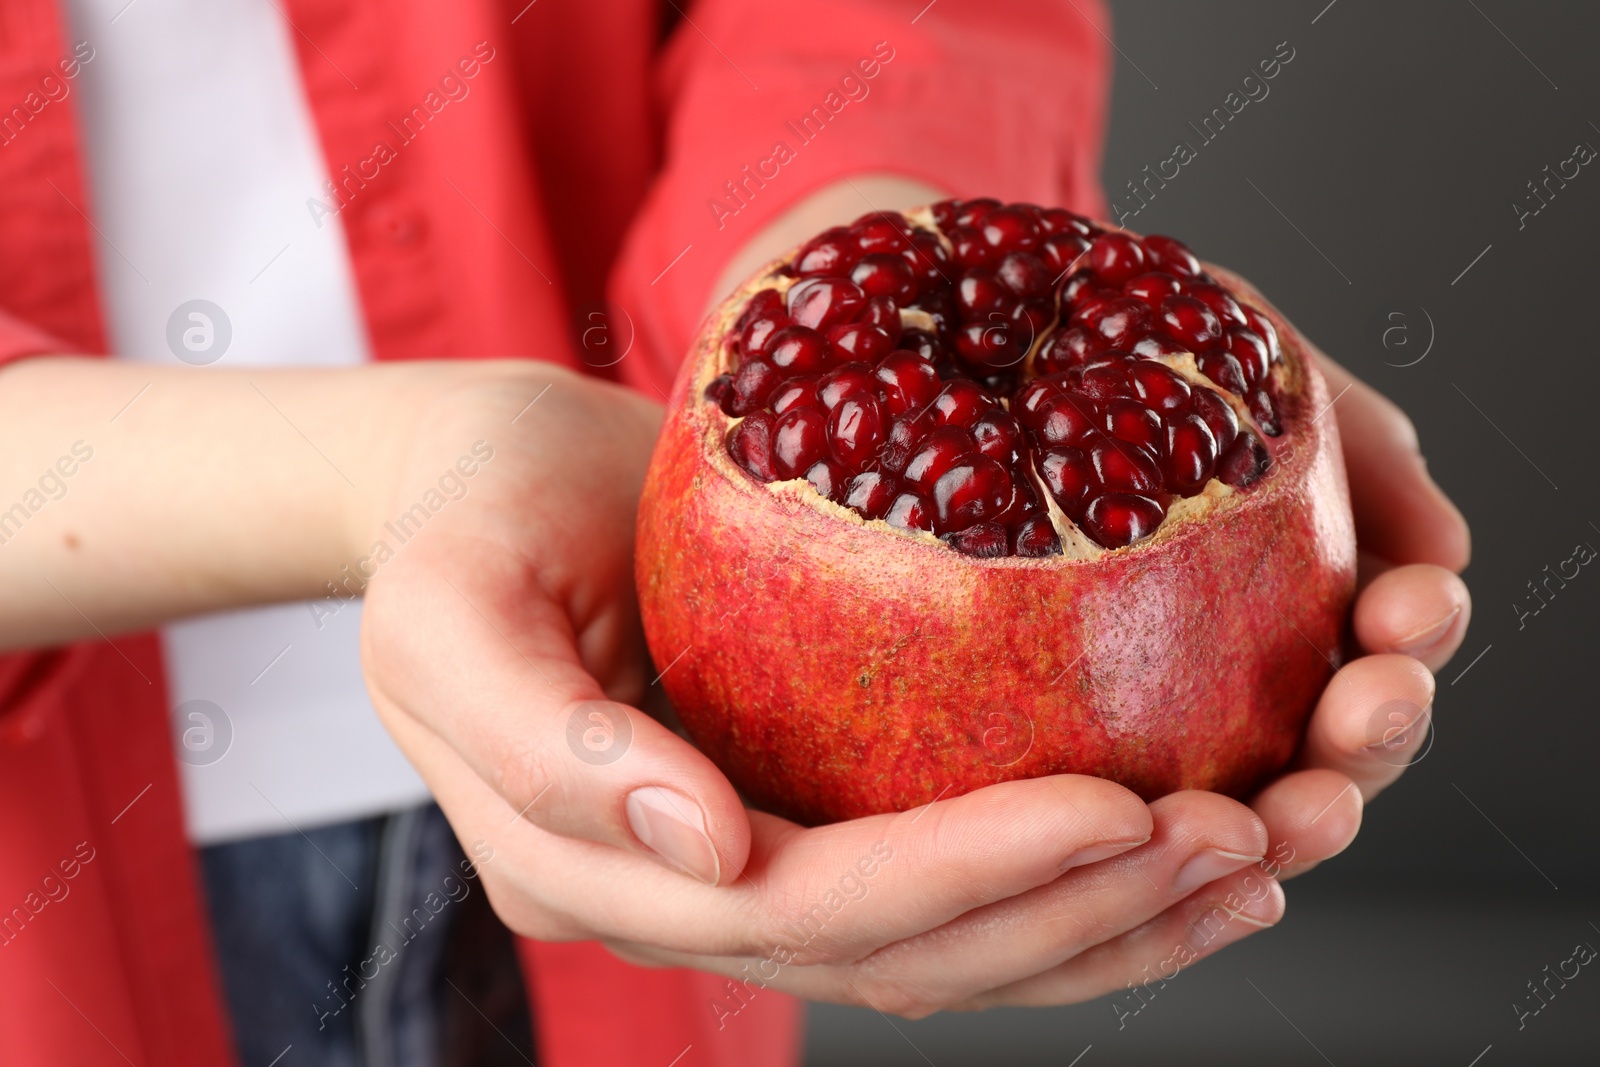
x,y
1396,141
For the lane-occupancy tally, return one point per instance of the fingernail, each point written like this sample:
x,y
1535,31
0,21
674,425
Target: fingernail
x,y
1208,866
674,828
1260,909
1102,851
1422,640
1400,737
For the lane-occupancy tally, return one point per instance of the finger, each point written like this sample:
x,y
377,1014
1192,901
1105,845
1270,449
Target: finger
x,y
1310,816
504,687
834,892
1150,956
1197,838
1401,514
1420,610
1371,721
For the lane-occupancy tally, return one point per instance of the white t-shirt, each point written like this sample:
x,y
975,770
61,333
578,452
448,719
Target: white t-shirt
x,y
201,152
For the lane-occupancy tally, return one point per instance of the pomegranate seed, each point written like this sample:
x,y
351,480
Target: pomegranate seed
x,y
1066,420
907,380
971,212
1069,475
1106,379
880,232
909,512
927,258
1024,501
883,313
752,384
1115,258
1024,274
798,350
906,435
1223,369
975,489
1244,462
1159,386
1191,453
986,540
978,293
793,393
1009,229
1130,420
1122,321
1190,322
766,301
1119,465
827,478
756,339
1062,252
944,213
823,302
969,249
992,345
870,493
1214,297
1265,412
937,453
881,274
842,381
1078,286
924,344
1028,401
831,252
1246,346
1000,437
1171,256
1118,519
1265,330
750,445
1071,347
1219,416
799,439
1036,538
1152,287
960,403
719,389
856,431
857,341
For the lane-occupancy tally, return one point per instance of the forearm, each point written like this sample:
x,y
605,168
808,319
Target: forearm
x,y
131,494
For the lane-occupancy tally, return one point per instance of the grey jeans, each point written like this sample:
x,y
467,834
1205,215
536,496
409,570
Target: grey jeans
x,y
364,944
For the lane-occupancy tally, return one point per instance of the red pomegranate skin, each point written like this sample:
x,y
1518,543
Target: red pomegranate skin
x,y
835,670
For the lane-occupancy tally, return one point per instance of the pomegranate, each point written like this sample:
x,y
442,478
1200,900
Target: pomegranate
x,y
988,491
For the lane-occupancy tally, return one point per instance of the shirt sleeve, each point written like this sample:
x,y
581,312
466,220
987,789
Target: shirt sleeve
x,y
764,104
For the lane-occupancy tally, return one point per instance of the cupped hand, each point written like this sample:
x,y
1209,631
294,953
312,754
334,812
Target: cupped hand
x,y
502,649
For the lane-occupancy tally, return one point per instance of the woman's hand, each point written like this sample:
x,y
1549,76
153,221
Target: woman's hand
x,y
503,650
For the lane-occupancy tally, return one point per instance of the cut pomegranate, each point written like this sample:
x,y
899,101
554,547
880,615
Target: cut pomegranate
x,y
987,491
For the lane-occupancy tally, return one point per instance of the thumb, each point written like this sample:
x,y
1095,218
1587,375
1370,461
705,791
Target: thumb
x,y
492,669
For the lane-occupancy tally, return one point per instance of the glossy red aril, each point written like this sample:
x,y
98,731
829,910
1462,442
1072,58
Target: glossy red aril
x,y
823,302
856,430
798,350
1036,349
798,441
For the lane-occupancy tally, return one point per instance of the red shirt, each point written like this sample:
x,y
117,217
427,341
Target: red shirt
x,y
607,151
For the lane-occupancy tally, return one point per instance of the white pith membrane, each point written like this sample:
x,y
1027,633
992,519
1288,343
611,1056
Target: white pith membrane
x,y
1285,377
